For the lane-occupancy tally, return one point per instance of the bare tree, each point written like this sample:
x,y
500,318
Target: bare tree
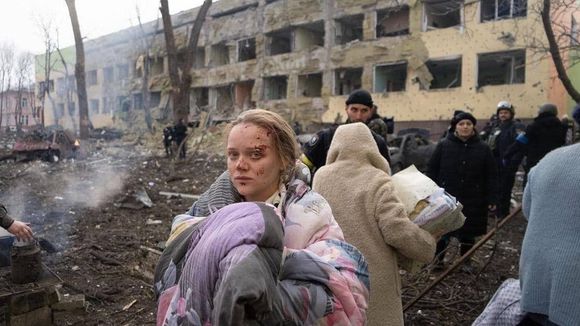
x,y
23,74
80,72
146,44
47,66
180,72
6,71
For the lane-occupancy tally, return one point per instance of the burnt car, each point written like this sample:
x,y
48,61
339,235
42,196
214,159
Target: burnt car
x,y
48,145
411,147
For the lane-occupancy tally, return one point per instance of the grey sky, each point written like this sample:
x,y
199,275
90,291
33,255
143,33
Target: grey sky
x,y
20,19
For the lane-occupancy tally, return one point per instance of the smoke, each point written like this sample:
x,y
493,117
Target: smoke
x,y
93,188
50,196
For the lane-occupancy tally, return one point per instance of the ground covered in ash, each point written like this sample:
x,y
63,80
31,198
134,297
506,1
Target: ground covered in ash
x,y
107,240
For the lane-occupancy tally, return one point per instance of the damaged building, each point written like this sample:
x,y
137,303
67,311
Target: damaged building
x,y
421,59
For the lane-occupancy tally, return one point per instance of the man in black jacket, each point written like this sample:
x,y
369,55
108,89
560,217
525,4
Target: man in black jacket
x,y
179,134
358,109
500,139
543,135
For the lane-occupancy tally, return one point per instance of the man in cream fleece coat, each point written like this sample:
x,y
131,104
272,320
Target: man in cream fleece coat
x,y
356,183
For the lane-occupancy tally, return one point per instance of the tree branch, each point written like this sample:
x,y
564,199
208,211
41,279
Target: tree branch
x,y
555,52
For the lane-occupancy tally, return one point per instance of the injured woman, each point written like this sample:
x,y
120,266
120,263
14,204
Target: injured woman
x,y
259,246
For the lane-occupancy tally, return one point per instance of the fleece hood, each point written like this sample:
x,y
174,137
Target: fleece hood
x,y
354,143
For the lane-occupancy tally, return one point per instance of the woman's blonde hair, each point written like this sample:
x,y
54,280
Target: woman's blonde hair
x,y
283,135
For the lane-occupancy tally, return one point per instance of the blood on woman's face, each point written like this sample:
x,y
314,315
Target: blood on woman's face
x,y
253,162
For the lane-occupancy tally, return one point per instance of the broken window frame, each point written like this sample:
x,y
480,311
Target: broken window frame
x,y
485,17
60,109
283,91
304,90
154,99
137,101
350,20
339,88
157,66
315,28
249,44
246,101
394,86
92,77
108,74
511,74
270,38
122,71
94,108
72,108
224,54
199,98
60,86
106,105
42,86
455,83
425,17
384,14
223,99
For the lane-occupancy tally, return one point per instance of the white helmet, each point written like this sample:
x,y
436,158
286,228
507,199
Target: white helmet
x,y
505,105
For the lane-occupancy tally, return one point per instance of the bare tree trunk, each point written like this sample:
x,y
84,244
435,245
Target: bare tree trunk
x,y
68,89
146,70
80,72
18,108
180,85
555,52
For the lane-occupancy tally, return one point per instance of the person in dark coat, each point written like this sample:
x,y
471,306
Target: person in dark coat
x,y
576,117
451,128
543,135
179,134
500,140
464,166
167,140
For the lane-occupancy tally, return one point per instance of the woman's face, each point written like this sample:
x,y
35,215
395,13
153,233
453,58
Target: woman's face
x,y
253,162
464,128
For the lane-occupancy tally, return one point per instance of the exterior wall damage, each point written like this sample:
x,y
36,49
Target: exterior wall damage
x,y
333,47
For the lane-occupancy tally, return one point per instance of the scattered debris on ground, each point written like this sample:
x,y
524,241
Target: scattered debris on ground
x,y
108,215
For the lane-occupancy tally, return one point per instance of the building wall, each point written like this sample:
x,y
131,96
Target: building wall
x,y
28,117
230,21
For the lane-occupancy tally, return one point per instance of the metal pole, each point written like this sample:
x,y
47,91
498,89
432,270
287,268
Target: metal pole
x,y
462,258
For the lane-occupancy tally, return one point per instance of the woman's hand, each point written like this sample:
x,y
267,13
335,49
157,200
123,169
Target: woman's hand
x,y
21,230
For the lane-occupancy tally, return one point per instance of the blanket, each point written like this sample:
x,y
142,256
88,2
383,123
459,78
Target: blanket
x,y
237,270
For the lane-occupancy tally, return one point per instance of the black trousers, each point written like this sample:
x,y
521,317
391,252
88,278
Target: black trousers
x,y
507,177
466,242
533,319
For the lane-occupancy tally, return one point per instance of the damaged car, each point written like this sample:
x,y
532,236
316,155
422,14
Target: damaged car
x,y
411,147
44,144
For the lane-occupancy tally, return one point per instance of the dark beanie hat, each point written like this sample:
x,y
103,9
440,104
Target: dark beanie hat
x,y
548,108
576,114
360,96
463,116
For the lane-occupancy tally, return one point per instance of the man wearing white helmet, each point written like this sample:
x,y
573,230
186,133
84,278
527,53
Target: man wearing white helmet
x,y
500,139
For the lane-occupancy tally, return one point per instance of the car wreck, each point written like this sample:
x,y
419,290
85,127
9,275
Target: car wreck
x,y
44,144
